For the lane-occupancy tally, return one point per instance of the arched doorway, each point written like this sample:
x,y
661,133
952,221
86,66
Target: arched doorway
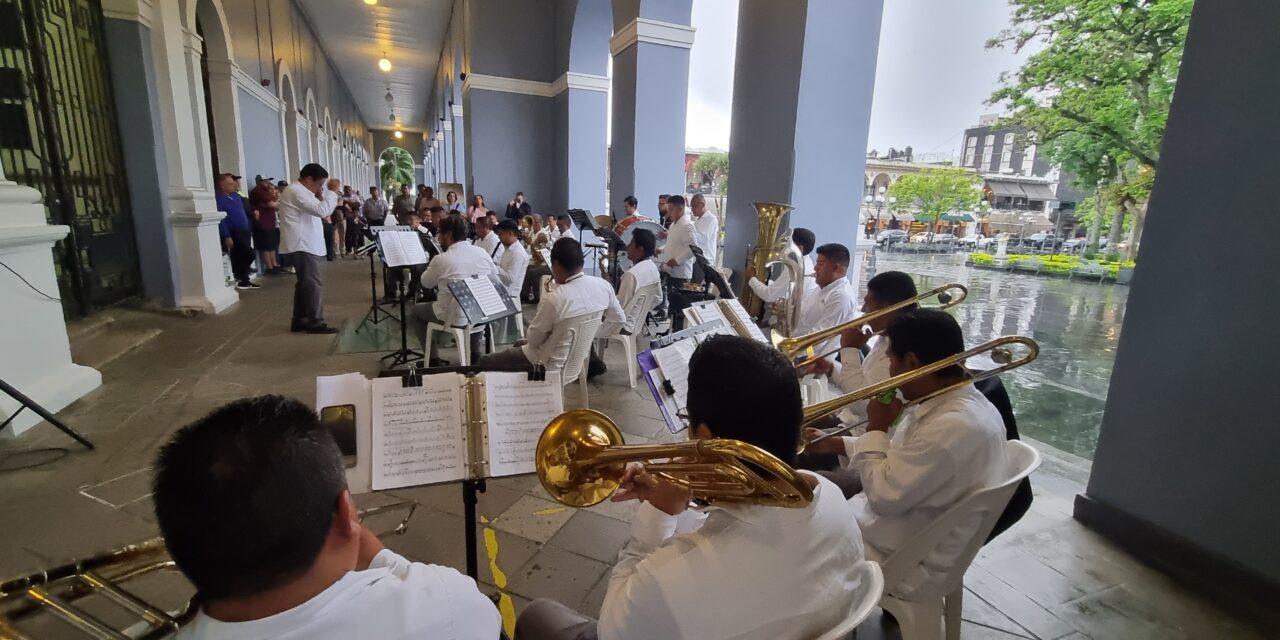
x,y
221,108
289,120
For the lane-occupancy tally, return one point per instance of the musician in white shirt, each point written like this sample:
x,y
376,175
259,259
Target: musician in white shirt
x,y
553,228
834,302
744,571
942,449
486,238
780,287
459,259
303,205
643,273
253,504
513,262
677,258
576,294
706,228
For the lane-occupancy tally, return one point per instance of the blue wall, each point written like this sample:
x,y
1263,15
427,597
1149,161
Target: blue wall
x,y
263,139
513,151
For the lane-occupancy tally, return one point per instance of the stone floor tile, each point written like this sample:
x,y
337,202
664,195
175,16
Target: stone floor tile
x,y
1115,613
592,535
526,484
595,597
433,537
1027,613
1036,580
980,612
511,553
557,574
448,498
534,518
616,510
119,491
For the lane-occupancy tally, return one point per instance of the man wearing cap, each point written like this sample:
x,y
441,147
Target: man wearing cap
x,y
234,230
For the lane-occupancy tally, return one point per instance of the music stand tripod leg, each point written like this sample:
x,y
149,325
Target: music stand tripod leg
x,y
27,403
469,490
404,355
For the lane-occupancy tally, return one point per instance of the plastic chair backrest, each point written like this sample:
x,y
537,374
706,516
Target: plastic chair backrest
x,y
639,306
575,335
871,582
989,502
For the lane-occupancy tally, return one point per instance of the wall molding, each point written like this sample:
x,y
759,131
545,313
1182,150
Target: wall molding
x,y
476,81
447,125
255,88
667,34
584,81
457,110
139,11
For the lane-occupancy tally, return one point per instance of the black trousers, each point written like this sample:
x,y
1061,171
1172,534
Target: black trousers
x,y
307,293
328,239
241,254
677,302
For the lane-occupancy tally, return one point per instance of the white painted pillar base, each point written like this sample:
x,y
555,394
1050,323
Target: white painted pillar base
x,y
33,331
195,220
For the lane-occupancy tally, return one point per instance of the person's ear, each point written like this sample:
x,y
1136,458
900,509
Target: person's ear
x,y
346,518
912,361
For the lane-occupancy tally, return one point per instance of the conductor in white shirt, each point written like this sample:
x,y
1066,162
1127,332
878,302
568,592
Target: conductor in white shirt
x,y
834,302
303,207
576,294
678,257
458,259
740,571
253,504
780,287
644,272
706,227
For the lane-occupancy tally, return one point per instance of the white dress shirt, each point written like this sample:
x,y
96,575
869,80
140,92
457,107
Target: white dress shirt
x,y
392,599
942,450
299,214
460,260
832,305
679,237
854,372
748,572
578,295
512,265
707,231
638,276
489,243
781,286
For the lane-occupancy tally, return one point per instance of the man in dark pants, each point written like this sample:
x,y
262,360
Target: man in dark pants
x,y
303,207
234,229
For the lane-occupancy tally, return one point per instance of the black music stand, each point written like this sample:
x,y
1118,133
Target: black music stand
x,y
710,274
614,244
404,355
27,403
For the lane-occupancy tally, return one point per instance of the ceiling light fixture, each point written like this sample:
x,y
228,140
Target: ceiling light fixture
x,y
371,2
384,63
390,98
399,134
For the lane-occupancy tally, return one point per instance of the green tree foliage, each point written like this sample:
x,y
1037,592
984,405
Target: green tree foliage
x,y
716,165
1097,95
397,169
932,192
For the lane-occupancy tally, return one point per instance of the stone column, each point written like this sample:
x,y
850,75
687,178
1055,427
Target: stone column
x,y
803,80
446,148
581,146
650,48
33,331
459,147
226,109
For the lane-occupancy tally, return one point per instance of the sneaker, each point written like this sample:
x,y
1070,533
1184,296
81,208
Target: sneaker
x,y
247,285
321,328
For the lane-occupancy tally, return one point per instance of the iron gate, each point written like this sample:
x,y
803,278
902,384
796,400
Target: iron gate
x,y
59,135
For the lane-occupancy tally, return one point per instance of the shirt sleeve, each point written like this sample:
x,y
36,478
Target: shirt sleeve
x,y
678,244
896,479
773,291
634,606
307,204
851,375
431,277
473,615
544,320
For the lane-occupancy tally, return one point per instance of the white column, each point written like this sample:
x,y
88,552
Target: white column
x,y
459,148
226,111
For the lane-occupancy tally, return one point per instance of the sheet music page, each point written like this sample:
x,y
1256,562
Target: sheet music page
x,y
418,434
487,296
674,362
402,248
738,311
518,410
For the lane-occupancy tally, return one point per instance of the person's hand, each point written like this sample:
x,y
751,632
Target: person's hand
x,y
227,243
671,262
833,445
751,271
520,343
662,235
369,548
512,203
820,367
638,484
854,337
881,416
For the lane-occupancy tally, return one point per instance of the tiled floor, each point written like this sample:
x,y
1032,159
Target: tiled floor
x,y
1048,577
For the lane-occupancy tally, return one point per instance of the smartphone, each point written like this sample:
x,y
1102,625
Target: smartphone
x,y
341,422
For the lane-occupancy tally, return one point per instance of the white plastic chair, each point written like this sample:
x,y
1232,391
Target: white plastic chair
x,y
871,581
461,335
577,335
628,335
920,615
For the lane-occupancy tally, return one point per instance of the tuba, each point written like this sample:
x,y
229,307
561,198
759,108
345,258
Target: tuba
x,y
770,233
786,312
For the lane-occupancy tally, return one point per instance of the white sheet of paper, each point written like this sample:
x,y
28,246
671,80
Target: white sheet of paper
x,y
739,312
418,434
487,295
352,389
674,362
518,409
402,248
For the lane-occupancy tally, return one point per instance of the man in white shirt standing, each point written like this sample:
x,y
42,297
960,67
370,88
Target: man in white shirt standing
x,y
643,273
678,257
834,302
304,205
745,571
459,259
780,287
706,227
253,503
486,238
576,294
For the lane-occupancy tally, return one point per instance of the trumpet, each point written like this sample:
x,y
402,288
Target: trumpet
x,y
794,347
1000,352
581,457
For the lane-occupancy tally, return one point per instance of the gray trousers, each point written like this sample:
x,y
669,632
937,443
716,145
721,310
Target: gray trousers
x,y
545,619
510,357
307,301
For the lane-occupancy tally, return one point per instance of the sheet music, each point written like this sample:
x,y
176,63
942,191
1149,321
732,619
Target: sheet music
x,y
487,296
518,409
418,434
708,312
743,319
401,248
674,362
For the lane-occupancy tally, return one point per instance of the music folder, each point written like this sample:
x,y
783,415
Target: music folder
x,y
666,369
483,299
401,248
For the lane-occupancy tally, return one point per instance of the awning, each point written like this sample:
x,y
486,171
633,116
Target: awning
x,y
1005,189
1037,191
957,217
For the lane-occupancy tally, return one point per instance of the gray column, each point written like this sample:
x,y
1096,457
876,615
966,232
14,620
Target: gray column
x,y
581,146
650,50
803,80
1184,474
459,146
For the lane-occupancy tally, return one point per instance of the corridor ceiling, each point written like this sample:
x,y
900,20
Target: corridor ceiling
x,y
410,32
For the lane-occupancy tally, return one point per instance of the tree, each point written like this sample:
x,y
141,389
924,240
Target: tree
x,y
715,165
1100,88
397,169
932,192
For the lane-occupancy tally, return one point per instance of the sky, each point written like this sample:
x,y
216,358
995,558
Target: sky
x,y
933,73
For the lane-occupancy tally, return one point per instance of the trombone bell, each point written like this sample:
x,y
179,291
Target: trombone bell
x,y
565,450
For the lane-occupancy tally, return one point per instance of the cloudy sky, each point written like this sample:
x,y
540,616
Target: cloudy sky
x,y
933,73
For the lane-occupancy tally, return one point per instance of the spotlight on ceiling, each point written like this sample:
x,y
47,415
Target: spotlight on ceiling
x,y
371,2
399,134
390,98
384,63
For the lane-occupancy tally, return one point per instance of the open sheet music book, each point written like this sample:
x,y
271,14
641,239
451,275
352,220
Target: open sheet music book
x,y
666,370
731,312
401,248
452,427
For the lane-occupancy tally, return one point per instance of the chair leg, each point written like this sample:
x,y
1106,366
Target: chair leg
x,y
916,620
426,342
464,346
629,348
582,384
520,324
952,606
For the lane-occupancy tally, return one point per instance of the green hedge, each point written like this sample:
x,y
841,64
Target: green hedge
x,y
1058,263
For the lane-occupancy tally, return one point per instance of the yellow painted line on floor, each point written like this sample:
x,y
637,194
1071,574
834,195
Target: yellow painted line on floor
x,y
506,606
549,510
484,520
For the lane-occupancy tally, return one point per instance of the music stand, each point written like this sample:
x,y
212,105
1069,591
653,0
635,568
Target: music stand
x,y
710,274
27,403
404,355
615,244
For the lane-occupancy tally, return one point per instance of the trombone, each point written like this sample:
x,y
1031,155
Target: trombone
x,y
581,457
794,347
1000,354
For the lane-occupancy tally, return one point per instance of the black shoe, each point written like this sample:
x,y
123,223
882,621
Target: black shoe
x,y
321,328
247,285
596,368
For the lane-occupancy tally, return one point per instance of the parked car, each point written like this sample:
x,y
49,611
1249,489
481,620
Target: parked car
x,y
986,243
1075,245
944,238
891,236
1043,240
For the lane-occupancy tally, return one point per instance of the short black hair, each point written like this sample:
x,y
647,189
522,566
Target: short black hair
x,y
482,221
563,216
677,200
567,253
313,170
422,186
892,287
665,196
509,225
436,208
835,252
752,370
631,200
804,239
929,333
647,242
455,226
245,496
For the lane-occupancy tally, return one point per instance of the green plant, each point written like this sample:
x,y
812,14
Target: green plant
x,y
397,169
1112,256
982,258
